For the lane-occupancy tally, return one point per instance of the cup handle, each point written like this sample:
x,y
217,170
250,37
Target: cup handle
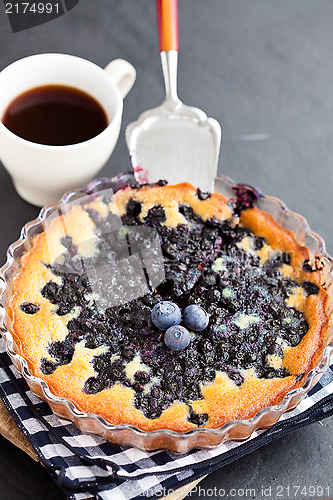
x,y
123,74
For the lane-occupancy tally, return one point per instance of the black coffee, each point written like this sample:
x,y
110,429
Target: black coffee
x,y
55,115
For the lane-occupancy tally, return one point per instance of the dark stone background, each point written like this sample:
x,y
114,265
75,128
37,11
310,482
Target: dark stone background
x,y
260,68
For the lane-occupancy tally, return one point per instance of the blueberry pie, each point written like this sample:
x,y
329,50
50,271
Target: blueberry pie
x,y
166,307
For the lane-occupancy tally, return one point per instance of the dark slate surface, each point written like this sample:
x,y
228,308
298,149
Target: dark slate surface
x,y
264,70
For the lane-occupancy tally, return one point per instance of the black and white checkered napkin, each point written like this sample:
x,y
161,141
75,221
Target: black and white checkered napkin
x,y
86,466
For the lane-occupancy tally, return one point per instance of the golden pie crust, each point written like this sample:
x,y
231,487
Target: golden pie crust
x,y
222,399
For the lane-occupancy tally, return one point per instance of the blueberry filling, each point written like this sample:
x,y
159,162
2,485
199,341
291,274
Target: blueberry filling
x,y
67,295
318,265
47,367
29,308
62,351
133,208
310,288
142,377
93,385
205,266
155,216
202,195
307,267
188,213
197,418
245,197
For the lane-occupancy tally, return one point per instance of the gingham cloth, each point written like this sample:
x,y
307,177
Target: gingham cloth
x,y
86,466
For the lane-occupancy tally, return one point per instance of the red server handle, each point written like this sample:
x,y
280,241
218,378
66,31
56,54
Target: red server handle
x,y
167,22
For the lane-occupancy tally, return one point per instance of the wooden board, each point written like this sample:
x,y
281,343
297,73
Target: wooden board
x,y
10,431
183,491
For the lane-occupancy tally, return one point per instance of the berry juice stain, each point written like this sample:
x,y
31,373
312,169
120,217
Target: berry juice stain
x,y
55,115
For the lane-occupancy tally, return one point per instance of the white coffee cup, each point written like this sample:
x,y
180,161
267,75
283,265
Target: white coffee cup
x,y
42,173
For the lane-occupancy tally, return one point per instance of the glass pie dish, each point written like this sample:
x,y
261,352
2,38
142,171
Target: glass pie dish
x,y
180,442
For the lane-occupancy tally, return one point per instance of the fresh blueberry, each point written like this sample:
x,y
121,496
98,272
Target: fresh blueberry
x,y
196,318
177,338
165,314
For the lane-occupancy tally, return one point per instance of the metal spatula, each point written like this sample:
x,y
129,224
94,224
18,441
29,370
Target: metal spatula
x,y
173,141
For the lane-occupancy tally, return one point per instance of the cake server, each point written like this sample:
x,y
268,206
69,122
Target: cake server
x,y
173,141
